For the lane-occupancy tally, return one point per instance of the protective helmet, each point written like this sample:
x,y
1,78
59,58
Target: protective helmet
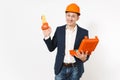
x,y
73,8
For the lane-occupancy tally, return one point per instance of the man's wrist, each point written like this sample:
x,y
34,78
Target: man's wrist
x,y
46,37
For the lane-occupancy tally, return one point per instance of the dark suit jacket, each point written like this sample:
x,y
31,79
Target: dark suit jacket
x,y
58,41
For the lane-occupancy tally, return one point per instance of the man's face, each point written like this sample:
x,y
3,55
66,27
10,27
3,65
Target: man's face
x,y
71,18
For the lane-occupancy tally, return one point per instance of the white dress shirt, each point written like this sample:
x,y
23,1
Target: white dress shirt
x,y
69,44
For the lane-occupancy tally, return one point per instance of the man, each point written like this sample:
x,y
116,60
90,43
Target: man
x,y
68,37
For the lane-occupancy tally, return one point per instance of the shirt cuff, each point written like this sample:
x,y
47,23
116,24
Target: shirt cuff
x,y
47,37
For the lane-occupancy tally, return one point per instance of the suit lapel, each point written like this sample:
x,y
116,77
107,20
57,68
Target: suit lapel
x,y
78,35
62,37
64,32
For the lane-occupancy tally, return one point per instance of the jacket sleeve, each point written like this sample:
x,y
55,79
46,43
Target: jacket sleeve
x,y
51,43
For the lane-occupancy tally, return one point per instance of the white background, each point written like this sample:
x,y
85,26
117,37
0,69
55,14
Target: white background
x,y
24,55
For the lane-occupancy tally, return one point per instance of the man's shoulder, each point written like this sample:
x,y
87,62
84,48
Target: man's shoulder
x,y
81,28
62,26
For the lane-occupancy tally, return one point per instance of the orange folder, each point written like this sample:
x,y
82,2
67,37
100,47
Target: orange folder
x,y
87,44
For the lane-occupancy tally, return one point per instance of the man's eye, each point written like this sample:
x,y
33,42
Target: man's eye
x,y
68,15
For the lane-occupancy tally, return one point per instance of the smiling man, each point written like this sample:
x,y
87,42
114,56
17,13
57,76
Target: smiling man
x,y
68,37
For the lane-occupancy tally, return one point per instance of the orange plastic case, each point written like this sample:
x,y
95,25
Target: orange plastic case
x,y
87,45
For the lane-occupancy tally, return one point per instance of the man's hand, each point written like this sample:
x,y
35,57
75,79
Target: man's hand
x,y
47,32
81,55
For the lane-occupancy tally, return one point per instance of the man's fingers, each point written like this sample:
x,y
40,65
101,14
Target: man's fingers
x,y
82,51
77,52
86,52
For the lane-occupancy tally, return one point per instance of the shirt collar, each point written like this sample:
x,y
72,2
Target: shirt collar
x,y
75,28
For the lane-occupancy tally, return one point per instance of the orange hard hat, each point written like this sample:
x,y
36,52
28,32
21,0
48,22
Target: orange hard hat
x,y
73,8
